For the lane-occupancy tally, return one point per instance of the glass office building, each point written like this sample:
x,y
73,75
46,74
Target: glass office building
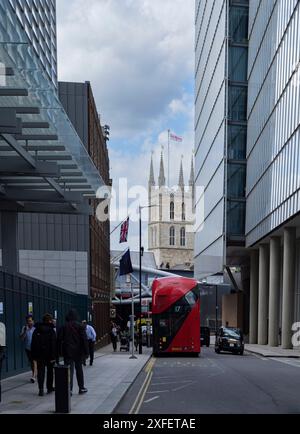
x,y
38,19
44,166
221,133
47,178
248,141
273,182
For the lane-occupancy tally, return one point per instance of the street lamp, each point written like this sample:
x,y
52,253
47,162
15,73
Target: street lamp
x,y
140,274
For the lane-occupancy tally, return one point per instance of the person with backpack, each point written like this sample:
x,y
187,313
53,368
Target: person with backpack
x,y
73,347
44,351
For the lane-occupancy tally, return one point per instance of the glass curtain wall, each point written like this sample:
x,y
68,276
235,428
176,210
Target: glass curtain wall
x,y
237,117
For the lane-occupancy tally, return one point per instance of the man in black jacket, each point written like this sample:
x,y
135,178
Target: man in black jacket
x,y
44,350
73,347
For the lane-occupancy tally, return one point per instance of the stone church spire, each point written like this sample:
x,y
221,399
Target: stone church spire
x,y
151,177
162,178
181,177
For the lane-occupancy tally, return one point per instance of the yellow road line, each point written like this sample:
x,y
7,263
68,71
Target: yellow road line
x,y
150,365
142,392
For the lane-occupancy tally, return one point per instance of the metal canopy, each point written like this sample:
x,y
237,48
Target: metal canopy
x,y
44,166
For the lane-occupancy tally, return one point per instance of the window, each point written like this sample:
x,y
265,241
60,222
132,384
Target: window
x,y
183,212
238,24
236,212
237,103
236,180
238,63
172,236
182,237
237,142
172,210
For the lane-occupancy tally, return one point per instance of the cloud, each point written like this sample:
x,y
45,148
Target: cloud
x,y
183,105
139,57
133,51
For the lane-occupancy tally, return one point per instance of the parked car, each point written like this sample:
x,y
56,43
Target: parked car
x,y
230,340
205,336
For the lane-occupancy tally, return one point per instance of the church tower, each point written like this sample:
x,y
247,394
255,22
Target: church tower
x,y
171,220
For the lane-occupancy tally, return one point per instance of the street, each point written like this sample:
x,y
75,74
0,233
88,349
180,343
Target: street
x,y
217,384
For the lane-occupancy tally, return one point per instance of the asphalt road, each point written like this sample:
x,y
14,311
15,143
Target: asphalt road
x,y
216,384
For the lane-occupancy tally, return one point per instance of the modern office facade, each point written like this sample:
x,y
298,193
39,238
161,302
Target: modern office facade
x,y
47,179
273,183
38,19
220,134
251,212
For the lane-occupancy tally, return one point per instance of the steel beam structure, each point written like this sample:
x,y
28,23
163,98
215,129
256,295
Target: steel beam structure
x,y
11,141
13,166
46,208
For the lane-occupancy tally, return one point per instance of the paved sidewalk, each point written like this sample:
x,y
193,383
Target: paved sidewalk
x,y
266,351
107,382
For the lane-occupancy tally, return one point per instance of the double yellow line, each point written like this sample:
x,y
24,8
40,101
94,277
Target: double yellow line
x,y
142,392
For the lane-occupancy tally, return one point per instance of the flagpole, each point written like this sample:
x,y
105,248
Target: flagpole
x,y
169,158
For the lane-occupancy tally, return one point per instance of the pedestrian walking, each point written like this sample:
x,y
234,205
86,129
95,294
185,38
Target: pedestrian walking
x,y
26,336
91,337
114,336
73,347
44,352
136,340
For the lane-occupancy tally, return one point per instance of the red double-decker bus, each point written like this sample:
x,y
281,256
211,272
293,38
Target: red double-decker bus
x,y
176,316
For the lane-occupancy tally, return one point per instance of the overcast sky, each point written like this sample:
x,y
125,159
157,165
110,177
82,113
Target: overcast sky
x,y
139,57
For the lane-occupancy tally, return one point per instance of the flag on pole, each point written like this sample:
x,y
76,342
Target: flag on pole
x,y
125,264
176,138
124,231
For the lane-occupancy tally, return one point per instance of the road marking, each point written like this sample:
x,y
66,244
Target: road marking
x,y
158,391
150,365
173,382
142,392
151,399
182,387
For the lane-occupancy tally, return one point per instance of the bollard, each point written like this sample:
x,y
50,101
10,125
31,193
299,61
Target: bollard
x,y
62,389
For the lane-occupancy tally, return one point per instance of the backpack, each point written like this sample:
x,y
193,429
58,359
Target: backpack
x,y
41,345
